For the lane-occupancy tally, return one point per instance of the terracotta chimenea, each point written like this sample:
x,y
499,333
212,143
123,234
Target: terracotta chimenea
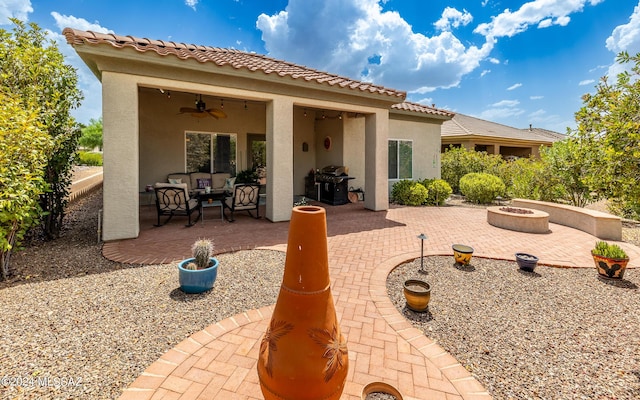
x,y
303,354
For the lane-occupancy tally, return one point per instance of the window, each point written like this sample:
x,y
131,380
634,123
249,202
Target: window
x,y
400,159
210,152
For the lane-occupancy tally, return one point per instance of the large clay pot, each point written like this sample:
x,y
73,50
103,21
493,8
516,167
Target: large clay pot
x,y
303,354
610,268
462,254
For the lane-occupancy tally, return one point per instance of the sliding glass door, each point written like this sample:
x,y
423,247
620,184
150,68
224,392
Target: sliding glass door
x,y
210,152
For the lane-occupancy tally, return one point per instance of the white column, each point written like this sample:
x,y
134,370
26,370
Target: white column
x,y
279,159
120,157
376,161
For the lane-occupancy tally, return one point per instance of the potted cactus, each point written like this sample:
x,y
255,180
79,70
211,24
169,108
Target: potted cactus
x,y
610,259
198,274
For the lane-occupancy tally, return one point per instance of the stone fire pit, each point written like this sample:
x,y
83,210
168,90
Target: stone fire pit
x,y
518,219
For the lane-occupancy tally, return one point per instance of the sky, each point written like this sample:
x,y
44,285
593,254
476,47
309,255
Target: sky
x,y
512,62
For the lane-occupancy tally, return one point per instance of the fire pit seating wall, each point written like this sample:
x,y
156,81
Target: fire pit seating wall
x,y
197,181
597,223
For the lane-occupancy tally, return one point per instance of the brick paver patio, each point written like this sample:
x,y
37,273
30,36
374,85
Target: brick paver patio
x,y
220,361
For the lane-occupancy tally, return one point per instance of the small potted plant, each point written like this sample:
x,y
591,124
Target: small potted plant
x,y
610,259
198,274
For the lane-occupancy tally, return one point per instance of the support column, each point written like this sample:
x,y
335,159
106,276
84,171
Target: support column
x,y
279,159
120,157
376,161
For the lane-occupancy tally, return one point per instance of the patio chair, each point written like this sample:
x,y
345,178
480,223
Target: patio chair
x,y
244,197
173,199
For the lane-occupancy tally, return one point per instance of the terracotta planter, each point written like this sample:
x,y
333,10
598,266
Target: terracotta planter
x,y
610,268
303,354
462,254
417,293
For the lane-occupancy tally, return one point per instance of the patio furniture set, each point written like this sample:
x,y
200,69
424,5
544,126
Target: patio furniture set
x,y
185,194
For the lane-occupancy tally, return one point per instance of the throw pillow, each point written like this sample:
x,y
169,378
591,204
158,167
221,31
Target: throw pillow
x,y
203,183
229,182
175,181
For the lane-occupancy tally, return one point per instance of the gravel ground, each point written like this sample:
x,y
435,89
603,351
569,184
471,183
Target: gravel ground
x,y
92,326
551,334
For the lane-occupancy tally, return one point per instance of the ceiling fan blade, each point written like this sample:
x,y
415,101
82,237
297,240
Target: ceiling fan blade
x,y
199,114
214,112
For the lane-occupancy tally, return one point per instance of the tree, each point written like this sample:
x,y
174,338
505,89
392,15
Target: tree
x,y
609,120
565,175
23,156
92,135
32,67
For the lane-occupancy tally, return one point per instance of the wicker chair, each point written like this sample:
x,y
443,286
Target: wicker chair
x,y
173,199
245,197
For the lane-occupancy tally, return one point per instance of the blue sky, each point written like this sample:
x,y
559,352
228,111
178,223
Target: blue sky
x,y
511,62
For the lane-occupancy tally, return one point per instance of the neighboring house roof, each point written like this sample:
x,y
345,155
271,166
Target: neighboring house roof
x,y
419,108
466,126
226,58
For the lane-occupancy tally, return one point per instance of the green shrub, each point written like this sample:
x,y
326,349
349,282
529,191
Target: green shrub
x,y
409,193
417,195
481,188
86,158
457,162
439,191
400,191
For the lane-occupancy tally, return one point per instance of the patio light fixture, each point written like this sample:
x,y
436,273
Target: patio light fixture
x,y
422,238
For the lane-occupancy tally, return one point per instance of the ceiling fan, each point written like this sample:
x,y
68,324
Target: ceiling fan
x,y
202,111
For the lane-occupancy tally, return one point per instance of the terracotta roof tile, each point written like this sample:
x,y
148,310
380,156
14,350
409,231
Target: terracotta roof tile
x,y
415,107
225,57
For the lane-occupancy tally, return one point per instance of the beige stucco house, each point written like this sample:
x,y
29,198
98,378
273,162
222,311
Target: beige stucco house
x,y
308,119
481,135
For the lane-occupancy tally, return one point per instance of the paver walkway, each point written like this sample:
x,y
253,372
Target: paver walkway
x,y
220,361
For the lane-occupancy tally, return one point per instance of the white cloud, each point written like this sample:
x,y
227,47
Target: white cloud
x,y
506,103
19,9
625,38
452,18
191,3
484,72
87,82
514,86
348,34
586,82
497,114
63,21
536,97
543,13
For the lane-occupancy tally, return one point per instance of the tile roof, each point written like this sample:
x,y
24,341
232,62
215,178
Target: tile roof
x,y
419,108
464,125
225,57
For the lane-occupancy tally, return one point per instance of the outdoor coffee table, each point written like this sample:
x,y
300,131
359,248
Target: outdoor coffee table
x,y
213,199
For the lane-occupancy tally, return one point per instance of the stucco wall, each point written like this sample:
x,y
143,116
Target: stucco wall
x,y
303,161
329,128
162,130
426,146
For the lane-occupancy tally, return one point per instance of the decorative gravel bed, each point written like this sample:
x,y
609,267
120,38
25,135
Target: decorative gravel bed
x,y
103,330
551,334
87,327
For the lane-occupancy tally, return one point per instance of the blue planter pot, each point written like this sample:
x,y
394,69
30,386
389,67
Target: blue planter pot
x,y
197,281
